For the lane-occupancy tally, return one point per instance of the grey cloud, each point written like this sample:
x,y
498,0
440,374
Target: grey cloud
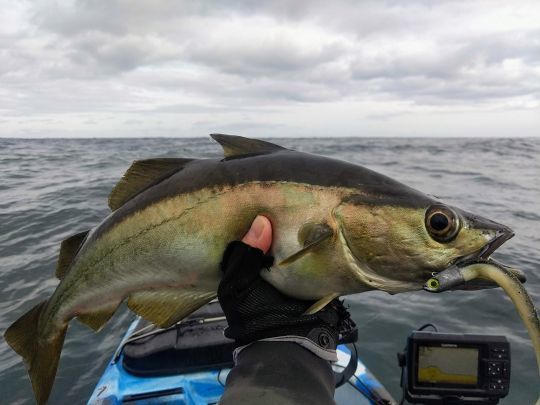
x,y
449,58
192,58
72,18
109,54
186,108
133,122
384,116
117,36
123,16
240,92
237,127
475,68
278,56
435,91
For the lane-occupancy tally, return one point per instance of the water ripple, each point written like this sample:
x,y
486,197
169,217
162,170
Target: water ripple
x,y
51,189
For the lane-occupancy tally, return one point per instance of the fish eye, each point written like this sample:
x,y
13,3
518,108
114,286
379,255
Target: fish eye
x,y
442,223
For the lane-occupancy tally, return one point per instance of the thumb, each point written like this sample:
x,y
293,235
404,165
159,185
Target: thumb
x,y
260,234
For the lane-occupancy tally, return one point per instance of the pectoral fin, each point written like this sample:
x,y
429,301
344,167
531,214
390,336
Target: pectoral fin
x,y
311,236
324,301
166,307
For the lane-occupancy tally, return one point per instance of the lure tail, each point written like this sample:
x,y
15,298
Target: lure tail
x,y
40,354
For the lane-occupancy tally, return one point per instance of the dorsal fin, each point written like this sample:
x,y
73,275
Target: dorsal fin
x,y
142,174
68,251
234,145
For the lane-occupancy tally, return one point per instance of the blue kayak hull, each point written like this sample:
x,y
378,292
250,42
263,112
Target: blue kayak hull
x,y
118,386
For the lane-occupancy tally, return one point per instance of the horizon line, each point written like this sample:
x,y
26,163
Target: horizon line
x,y
277,137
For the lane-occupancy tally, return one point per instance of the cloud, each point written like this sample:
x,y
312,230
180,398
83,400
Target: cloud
x,y
264,47
103,53
172,59
473,68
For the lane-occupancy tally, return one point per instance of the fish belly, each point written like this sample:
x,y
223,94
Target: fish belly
x,y
173,248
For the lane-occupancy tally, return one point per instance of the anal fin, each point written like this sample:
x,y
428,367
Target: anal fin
x,y
324,301
167,307
98,318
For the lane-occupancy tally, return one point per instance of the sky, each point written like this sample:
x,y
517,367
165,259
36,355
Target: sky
x,y
281,68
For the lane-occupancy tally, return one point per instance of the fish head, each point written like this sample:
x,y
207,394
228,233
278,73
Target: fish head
x,y
396,248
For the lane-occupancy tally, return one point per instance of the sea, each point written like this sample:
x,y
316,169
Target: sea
x,y
53,188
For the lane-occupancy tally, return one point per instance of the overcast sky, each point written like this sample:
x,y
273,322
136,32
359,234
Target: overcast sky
x,y
273,68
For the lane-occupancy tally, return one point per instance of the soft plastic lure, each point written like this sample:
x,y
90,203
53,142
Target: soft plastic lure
x,y
506,278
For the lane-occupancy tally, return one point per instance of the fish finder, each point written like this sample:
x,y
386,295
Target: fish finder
x,y
449,368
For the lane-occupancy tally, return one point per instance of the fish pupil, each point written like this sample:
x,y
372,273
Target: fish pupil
x,y
442,223
439,221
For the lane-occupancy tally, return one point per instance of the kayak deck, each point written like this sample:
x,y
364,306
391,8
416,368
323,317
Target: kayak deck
x,y
153,366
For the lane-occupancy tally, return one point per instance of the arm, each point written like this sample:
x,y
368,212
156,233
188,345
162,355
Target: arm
x,y
279,373
283,356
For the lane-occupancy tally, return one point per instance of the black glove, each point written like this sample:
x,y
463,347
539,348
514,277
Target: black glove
x,y
256,310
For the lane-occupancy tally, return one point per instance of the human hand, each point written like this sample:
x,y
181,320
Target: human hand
x,y
260,234
256,310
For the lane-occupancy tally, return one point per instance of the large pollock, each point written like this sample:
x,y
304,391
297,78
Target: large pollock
x,y
338,228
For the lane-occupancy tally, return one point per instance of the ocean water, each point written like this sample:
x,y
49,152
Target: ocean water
x,y
51,189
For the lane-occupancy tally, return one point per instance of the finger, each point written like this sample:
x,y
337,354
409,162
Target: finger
x,y
260,234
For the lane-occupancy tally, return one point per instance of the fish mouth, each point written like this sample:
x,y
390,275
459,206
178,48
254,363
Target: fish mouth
x,y
502,235
499,239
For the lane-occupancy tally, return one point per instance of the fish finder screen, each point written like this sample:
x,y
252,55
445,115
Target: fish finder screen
x,y
447,365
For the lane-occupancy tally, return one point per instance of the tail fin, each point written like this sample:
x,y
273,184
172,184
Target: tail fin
x,y
40,355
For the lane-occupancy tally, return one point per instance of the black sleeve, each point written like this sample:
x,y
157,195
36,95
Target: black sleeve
x,y
279,373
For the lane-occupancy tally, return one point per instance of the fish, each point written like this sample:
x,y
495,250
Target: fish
x,y
339,229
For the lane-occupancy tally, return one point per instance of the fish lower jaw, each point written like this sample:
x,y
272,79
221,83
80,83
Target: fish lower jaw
x,y
493,242
371,279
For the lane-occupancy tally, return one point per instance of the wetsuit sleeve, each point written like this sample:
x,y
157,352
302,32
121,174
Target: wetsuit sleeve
x,y
279,373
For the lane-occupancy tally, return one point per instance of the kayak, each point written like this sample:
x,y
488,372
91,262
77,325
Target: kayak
x,y
188,363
